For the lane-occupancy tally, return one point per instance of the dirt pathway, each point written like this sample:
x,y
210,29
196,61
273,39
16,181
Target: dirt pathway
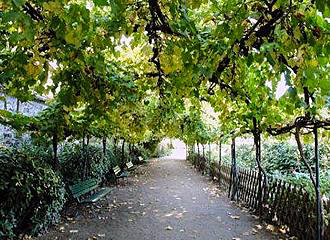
x,y
166,200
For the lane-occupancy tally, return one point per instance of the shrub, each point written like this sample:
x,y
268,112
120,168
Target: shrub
x,y
245,156
78,163
32,193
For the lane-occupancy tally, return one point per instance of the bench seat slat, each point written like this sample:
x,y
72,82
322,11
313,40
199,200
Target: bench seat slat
x,y
123,175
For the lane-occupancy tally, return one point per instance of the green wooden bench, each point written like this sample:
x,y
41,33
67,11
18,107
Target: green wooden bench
x,y
82,188
141,160
119,173
130,166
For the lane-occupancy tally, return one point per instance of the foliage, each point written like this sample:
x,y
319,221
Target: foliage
x,y
32,193
280,159
139,70
80,162
283,157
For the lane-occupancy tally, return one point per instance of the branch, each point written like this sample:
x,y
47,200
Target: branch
x,y
301,152
263,31
35,15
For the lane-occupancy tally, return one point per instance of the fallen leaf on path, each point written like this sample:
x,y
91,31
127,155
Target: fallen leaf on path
x,y
92,238
282,230
169,228
270,227
259,226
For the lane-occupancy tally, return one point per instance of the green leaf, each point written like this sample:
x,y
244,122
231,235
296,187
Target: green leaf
x,y
325,86
19,3
101,3
249,60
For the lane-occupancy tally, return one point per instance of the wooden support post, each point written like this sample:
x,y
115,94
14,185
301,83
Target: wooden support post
x,y
319,219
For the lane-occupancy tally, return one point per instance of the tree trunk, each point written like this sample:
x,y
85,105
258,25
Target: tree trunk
x,y
123,155
84,157
203,146
198,156
198,152
104,144
17,106
55,143
5,102
219,153
219,165
262,185
319,215
115,146
234,181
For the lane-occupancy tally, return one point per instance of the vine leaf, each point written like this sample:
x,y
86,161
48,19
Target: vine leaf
x,y
101,3
19,3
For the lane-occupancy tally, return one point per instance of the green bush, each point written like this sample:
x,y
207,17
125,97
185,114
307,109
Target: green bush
x,y
283,157
279,157
245,156
32,193
89,162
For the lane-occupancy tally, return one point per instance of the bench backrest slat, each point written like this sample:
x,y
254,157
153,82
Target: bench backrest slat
x,y
84,187
116,170
83,191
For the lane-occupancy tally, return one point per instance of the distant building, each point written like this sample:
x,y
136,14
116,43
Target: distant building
x,y
31,108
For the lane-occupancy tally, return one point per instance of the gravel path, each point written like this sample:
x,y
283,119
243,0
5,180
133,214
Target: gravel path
x,y
167,199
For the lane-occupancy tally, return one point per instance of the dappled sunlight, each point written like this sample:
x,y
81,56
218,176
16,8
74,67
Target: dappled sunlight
x,y
178,151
